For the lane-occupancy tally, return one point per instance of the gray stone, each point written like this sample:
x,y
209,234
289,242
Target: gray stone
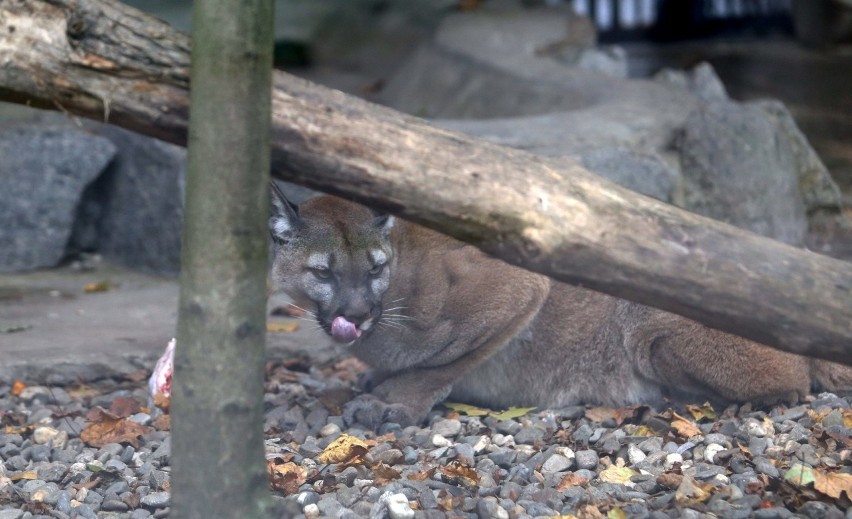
x,y
52,472
132,214
701,81
556,463
737,168
645,173
156,500
449,428
11,514
586,459
44,173
818,189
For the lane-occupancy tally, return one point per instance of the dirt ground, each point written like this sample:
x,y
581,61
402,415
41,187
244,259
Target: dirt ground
x,y
53,331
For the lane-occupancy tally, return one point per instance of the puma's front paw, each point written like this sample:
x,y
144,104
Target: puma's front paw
x,y
372,412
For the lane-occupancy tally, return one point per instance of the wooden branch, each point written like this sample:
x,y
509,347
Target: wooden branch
x,y
103,60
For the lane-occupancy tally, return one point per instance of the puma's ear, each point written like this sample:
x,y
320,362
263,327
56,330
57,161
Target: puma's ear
x,y
284,220
384,222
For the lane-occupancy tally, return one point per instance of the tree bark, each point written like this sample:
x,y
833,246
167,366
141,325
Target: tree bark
x,y
103,60
217,433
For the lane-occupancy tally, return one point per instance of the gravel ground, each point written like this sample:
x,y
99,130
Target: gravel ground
x,y
582,461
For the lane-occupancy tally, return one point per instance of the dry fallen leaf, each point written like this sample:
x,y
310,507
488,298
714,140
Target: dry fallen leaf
x,y
282,327
702,412
847,418
18,387
163,401
833,484
600,414
455,472
619,475
109,428
466,409
616,513
100,286
124,406
684,427
285,477
691,492
423,475
800,475
571,480
345,449
384,474
28,475
472,410
162,422
512,413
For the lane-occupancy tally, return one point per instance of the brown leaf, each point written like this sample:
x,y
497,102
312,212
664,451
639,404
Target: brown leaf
x,y
162,401
285,477
124,406
100,286
703,412
847,418
457,473
384,474
282,327
423,474
18,387
670,480
162,423
28,475
289,310
109,428
345,449
833,484
600,414
571,480
691,492
684,427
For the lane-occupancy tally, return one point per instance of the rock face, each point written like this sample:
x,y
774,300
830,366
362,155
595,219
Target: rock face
x,y
736,168
502,75
44,172
135,208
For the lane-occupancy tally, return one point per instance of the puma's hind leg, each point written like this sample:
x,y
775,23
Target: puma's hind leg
x,y
690,360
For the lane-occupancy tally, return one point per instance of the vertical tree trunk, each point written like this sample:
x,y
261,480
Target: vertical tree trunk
x,y
217,450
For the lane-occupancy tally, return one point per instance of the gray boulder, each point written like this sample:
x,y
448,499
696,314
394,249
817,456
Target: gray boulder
x,y
44,172
133,214
737,168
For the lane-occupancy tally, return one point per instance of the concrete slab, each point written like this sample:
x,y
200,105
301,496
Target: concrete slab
x,y
53,331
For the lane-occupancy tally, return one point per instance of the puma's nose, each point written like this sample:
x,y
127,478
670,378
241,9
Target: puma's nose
x,y
357,316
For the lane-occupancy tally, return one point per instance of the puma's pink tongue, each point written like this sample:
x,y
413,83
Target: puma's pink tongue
x,y
342,330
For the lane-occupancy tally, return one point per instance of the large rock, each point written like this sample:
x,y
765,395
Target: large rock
x,y
501,75
133,214
737,168
44,171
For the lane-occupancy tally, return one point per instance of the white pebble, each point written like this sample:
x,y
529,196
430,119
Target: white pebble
x,y
329,429
755,428
438,440
671,459
311,511
398,507
481,444
635,454
42,435
711,451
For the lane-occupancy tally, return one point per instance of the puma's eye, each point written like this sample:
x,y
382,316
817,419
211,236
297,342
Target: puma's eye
x,y
322,273
375,271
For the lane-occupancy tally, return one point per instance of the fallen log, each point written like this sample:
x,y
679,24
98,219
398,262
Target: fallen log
x,y
104,60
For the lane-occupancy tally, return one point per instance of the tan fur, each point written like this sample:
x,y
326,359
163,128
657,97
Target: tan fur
x,y
484,332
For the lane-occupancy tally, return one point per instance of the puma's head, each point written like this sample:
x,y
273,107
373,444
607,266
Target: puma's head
x,y
334,256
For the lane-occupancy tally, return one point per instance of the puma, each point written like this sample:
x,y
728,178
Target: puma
x,y
437,318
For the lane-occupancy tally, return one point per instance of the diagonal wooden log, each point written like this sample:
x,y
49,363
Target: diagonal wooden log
x,y
104,60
